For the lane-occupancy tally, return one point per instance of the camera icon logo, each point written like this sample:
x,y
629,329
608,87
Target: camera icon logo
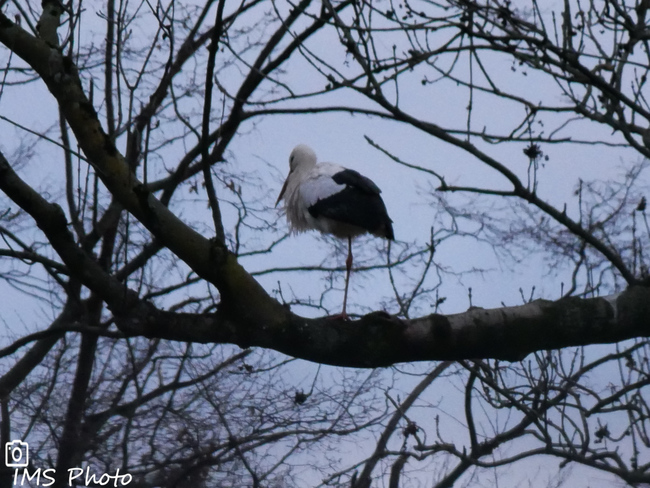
x,y
16,454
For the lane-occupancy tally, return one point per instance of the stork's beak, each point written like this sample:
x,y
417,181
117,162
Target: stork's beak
x,y
284,188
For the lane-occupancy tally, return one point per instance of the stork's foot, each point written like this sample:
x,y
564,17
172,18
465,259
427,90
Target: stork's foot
x,y
339,316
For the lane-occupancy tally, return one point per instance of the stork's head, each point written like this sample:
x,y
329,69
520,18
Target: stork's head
x,y
301,156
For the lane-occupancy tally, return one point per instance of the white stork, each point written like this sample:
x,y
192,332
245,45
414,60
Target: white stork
x,y
334,200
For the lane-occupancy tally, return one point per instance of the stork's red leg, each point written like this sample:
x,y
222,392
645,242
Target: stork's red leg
x,y
348,267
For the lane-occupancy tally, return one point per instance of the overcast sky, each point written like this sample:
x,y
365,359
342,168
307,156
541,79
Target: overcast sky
x,y
263,148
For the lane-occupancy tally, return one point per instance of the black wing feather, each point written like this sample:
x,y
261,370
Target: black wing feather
x,y
349,177
357,204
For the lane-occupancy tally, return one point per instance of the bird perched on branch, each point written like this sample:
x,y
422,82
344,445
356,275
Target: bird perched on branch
x,y
333,200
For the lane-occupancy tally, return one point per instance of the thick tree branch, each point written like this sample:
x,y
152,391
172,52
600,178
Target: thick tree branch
x,y
509,333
